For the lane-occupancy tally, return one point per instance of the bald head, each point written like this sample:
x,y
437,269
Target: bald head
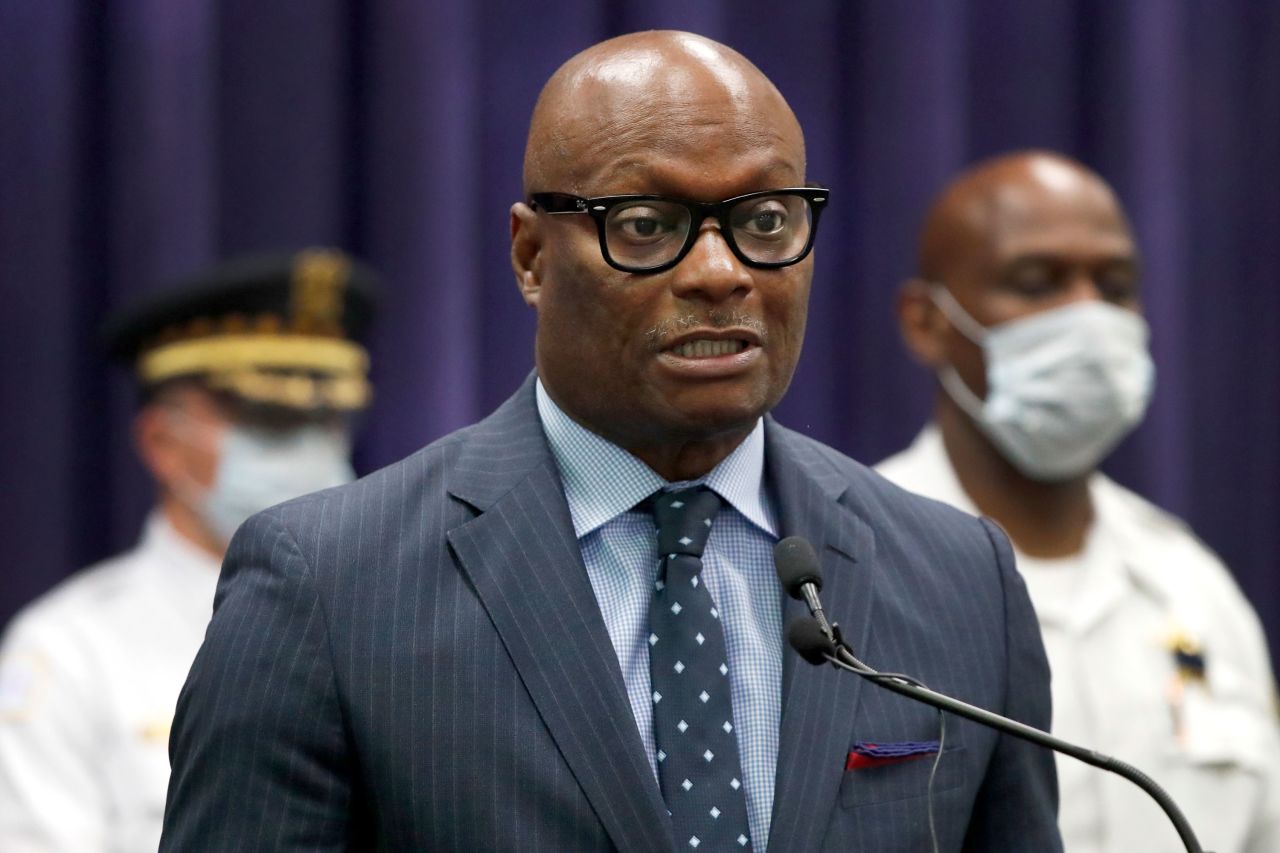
x,y
619,344
626,93
1010,193
1008,238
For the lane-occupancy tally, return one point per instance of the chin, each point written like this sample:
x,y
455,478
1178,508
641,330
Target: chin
x,y
714,416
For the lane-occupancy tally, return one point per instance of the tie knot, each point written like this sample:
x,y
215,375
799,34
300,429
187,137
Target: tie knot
x,y
684,520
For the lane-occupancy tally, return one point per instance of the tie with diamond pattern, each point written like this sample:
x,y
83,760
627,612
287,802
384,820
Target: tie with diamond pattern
x,y
698,766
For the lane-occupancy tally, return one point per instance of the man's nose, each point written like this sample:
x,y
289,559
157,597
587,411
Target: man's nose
x,y
711,270
1083,286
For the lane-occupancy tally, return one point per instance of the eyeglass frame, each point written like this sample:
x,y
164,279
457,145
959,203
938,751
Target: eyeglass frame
x,y
556,203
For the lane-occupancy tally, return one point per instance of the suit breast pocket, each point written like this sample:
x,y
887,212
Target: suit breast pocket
x,y
902,780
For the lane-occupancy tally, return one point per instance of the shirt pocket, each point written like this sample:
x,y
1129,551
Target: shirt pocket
x,y
138,776
1221,734
902,780
1216,772
136,779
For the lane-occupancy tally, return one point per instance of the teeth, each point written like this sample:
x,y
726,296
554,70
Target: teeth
x,y
709,349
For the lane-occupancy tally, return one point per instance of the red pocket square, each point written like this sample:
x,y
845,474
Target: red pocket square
x,y
865,754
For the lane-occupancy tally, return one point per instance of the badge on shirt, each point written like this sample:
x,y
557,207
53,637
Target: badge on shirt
x,y
156,731
1188,656
1189,681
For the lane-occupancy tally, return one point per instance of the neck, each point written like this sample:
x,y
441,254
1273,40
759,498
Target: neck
x,y
688,460
675,454
187,523
1043,519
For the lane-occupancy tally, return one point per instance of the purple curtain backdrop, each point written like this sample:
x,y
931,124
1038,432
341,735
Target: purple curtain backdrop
x,y
142,139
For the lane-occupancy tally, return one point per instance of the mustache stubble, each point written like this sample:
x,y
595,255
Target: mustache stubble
x,y
658,335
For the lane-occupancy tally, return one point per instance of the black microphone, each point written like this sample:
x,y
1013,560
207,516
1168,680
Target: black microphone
x,y
797,565
816,642
806,637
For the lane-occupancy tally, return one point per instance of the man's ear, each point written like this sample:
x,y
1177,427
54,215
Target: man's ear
x,y
158,436
153,441
922,323
526,249
162,453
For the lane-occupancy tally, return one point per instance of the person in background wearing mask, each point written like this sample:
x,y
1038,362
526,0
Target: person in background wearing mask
x,y
249,375
1027,309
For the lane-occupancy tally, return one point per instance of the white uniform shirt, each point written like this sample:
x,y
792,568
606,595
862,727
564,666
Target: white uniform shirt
x,y
1108,615
89,676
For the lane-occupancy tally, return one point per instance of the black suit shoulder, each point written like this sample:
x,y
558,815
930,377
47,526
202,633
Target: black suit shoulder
x,y
872,495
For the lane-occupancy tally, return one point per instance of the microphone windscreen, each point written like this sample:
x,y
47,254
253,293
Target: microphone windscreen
x,y
796,564
807,638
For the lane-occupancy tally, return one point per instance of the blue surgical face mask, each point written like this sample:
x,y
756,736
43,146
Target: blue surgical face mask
x,y
260,468
1064,386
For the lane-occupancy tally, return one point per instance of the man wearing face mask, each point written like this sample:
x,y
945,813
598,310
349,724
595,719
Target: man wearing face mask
x,y
249,374
1027,309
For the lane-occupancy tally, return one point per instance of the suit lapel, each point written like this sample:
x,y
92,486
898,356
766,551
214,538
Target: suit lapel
x,y
818,703
523,559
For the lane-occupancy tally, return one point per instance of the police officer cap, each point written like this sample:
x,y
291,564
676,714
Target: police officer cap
x,y
280,330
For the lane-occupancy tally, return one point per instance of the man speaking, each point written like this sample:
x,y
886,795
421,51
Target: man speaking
x,y
559,629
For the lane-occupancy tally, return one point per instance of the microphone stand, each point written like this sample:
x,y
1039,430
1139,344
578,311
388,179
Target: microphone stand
x,y
843,658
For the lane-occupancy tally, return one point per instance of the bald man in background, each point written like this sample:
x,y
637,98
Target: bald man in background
x,y
560,629
1027,309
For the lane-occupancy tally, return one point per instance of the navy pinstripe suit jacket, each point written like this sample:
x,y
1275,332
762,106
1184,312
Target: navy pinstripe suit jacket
x,y
416,661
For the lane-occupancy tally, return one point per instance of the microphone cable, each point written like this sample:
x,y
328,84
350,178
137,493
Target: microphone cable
x,y
809,638
818,641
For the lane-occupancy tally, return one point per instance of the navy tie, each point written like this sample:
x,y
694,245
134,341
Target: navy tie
x,y
698,765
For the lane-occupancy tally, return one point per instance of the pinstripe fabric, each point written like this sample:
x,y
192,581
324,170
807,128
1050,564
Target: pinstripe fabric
x,y
602,484
416,661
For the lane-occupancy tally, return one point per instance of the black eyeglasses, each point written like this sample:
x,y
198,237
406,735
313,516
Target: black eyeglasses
x,y
652,233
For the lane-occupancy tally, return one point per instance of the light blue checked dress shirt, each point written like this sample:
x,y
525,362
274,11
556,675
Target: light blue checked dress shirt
x,y
603,483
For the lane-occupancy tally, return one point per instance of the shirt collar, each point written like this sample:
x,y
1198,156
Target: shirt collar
x,y
942,482
177,559
602,481
1104,545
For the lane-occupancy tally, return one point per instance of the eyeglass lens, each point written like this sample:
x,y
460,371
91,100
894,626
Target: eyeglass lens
x,y
766,229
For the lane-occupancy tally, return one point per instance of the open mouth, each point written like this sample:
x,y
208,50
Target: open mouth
x,y
703,348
